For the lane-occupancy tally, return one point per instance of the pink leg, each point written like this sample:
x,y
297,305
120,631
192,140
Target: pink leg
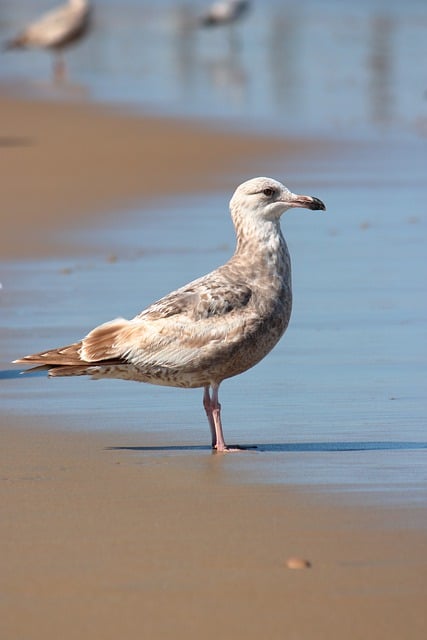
x,y
216,415
208,408
213,412
58,69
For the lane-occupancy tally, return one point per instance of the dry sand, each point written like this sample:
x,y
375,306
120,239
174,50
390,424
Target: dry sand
x,y
98,542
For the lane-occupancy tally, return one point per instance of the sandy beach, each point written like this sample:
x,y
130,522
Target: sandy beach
x,y
102,538
102,542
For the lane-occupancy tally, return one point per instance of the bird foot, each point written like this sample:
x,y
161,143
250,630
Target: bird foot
x,y
232,449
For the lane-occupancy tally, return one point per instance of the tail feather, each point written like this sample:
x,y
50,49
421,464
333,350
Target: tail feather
x,y
20,42
102,369
104,344
69,355
73,370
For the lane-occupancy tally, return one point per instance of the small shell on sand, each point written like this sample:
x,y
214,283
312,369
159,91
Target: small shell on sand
x,y
297,563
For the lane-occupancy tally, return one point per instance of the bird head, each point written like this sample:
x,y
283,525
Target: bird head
x,y
268,199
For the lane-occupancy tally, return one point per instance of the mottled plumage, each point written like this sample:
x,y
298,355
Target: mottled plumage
x,y
212,328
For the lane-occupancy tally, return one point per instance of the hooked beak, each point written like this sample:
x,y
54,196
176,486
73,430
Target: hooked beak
x,y
306,202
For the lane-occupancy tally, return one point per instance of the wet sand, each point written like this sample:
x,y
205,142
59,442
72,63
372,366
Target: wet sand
x,y
101,538
107,543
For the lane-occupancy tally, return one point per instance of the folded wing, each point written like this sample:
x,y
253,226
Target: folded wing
x,y
178,331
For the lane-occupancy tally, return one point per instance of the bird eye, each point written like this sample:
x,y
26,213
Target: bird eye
x,y
268,192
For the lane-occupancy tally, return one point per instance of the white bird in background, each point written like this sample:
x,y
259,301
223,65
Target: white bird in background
x,y
56,30
224,12
211,329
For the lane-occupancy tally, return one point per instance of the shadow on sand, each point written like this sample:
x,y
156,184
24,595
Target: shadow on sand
x,y
291,447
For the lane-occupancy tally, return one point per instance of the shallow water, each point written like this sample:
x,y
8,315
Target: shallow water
x,y
339,404
324,67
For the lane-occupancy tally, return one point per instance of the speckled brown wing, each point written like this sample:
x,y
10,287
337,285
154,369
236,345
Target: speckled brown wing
x,y
170,332
176,330
212,295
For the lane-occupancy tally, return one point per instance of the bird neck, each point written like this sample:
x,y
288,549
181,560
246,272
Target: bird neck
x,y
263,246
258,235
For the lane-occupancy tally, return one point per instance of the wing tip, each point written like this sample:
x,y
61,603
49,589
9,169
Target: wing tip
x,y
36,357
23,360
68,355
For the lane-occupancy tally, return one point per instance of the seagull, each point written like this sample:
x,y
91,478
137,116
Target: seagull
x,y
224,12
56,30
213,328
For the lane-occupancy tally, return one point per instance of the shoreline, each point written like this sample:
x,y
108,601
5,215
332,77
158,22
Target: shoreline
x,y
127,159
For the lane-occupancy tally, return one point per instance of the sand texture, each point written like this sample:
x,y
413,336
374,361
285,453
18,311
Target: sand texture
x,y
100,542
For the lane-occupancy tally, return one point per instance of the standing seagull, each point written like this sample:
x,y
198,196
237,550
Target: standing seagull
x,y
224,12
56,30
212,328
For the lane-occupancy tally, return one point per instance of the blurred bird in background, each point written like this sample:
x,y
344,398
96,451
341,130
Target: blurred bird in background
x,y
56,30
224,12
